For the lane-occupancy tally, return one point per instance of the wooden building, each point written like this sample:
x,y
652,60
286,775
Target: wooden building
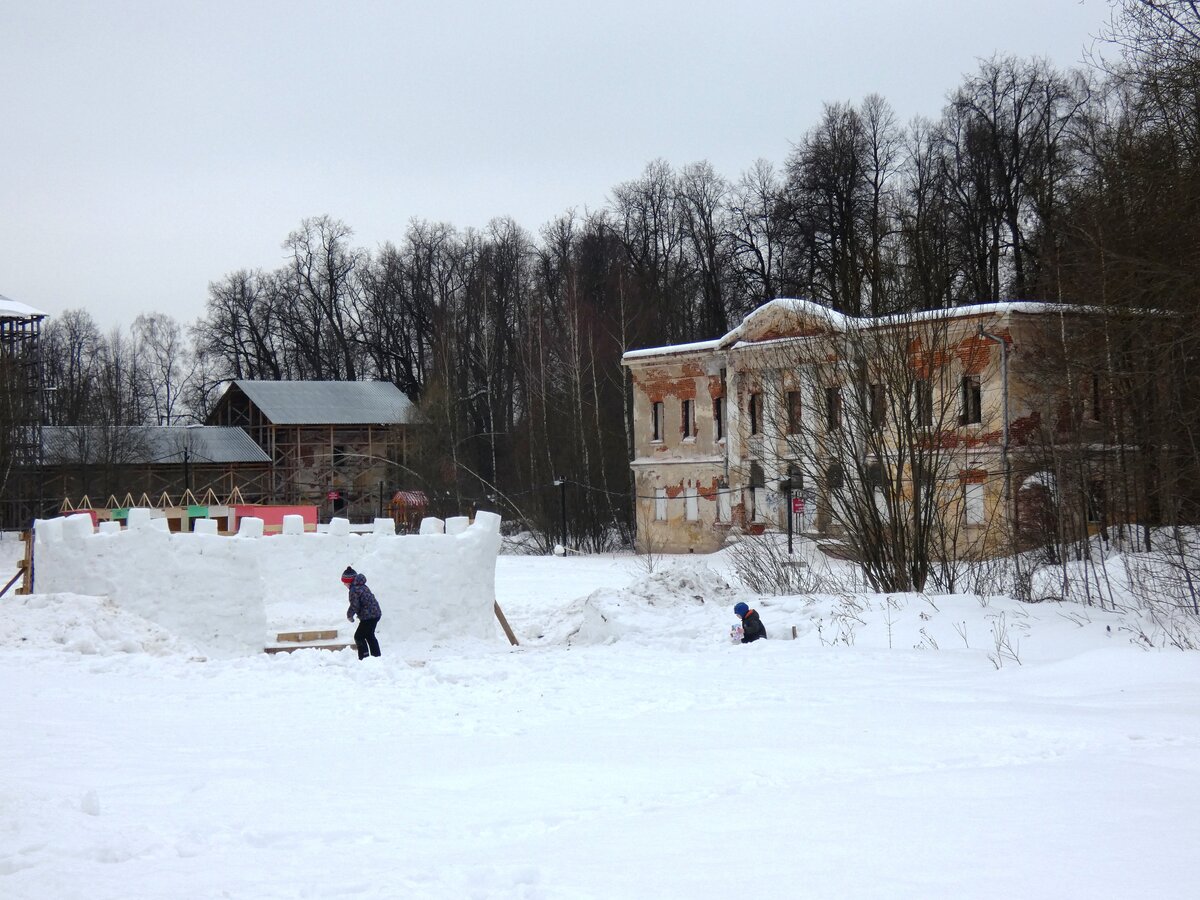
x,y
340,445
100,462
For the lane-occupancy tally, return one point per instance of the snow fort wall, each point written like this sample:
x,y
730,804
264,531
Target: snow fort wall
x,y
214,590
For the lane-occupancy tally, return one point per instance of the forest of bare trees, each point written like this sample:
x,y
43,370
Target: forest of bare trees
x,y
1076,186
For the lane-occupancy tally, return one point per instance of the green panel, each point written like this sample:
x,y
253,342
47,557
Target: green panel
x,y
197,512
120,513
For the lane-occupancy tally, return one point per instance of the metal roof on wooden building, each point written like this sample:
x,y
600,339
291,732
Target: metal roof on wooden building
x,y
329,402
138,444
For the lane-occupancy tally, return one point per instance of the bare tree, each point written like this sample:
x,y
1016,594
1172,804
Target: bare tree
x,y
322,298
167,363
864,420
756,237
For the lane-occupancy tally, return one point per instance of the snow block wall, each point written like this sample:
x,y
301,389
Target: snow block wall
x,y
215,590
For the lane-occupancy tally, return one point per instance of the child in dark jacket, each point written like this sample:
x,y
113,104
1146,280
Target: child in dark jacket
x,y
752,626
364,605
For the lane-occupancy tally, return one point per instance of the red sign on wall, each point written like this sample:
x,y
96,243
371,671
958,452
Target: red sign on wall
x,y
797,504
334,495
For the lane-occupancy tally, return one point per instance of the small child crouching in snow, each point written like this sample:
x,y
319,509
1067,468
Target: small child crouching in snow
x,y
752,627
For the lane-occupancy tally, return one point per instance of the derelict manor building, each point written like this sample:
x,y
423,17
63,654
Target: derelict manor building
x,y
774,419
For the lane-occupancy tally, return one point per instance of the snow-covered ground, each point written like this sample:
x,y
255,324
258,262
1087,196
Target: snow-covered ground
x,y
899,748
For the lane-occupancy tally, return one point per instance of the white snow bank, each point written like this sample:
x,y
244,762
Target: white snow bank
x,y
648,609
228,594
82,624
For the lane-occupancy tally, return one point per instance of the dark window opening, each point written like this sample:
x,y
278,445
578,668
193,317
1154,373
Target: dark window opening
x,y
875,476
971,396
794,404
923,402
755,413
878,398
656,420
689,422
833,407
718,418
835,479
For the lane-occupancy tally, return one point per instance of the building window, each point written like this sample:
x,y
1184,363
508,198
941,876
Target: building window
x,y
793,412
877,480
660,504
761,510
755,413
973,509
691,504
724,503
756,495
834,477
341,456
878,399
923,403
971,410
833,407
656,421
718,418
922,482
689,421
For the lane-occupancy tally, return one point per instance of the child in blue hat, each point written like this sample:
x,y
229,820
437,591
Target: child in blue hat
x,y
752,626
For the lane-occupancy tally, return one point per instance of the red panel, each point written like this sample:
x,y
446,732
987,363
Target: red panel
x,y
272,516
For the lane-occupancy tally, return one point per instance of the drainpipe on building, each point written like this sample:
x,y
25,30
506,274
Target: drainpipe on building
x,y
1004,445
726,431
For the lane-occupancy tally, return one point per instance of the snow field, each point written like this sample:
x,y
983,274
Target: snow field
x,y
626,749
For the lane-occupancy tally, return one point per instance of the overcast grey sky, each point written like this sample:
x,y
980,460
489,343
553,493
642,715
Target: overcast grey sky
x,y
149,147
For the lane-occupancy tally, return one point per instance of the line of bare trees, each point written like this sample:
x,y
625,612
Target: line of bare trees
x,y
1033,183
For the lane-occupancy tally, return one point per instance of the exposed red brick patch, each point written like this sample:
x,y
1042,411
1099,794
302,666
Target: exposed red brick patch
x,y
1023,428
776,332
657,385
974,353
711,490
952,440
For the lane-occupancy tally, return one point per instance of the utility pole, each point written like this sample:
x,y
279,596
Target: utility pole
x,y
562,502
787,486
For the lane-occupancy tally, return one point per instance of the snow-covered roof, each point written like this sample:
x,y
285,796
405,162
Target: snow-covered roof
x,y
786,316
330,402
797,309
1041,479
673,348
13,309
64,445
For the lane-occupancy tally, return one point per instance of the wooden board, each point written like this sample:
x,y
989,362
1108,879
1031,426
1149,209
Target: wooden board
x,y
304,637
508,632
26,565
